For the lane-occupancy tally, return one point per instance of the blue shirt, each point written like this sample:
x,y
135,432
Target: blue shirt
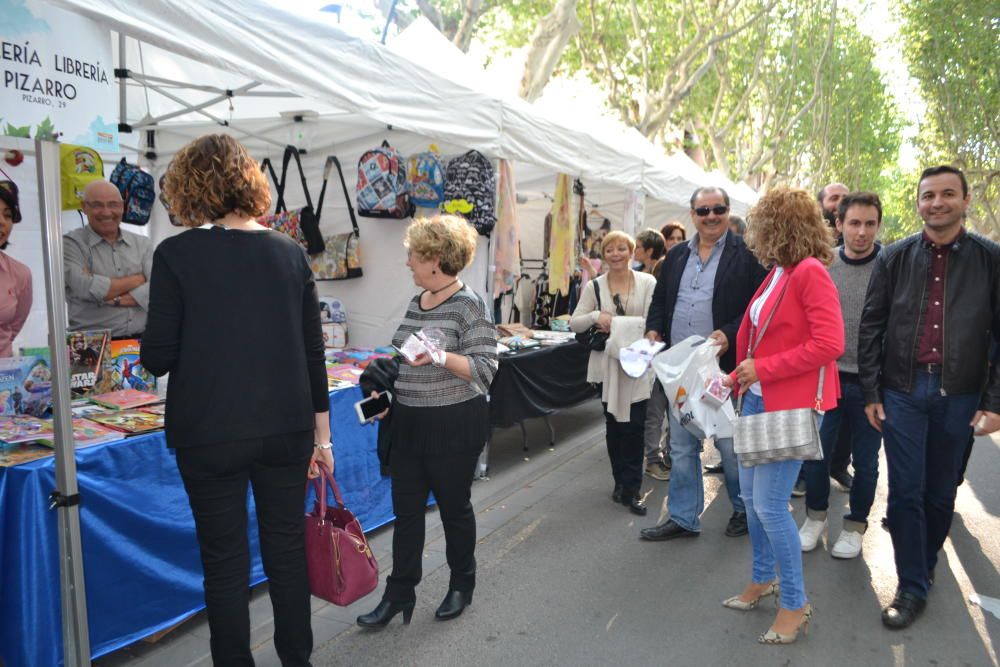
x,y
693,308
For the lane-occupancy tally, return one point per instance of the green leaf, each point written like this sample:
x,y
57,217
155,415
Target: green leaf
x,y
20,132
45,130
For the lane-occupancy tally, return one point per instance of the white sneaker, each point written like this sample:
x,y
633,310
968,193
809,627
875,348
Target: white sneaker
x,y
810,533
848,545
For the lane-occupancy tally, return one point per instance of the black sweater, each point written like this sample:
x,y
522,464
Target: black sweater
x,y
234,319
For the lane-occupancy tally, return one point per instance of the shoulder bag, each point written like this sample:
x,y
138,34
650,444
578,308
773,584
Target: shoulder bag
x,y
341,257
341,566
593,338
781,435
302,224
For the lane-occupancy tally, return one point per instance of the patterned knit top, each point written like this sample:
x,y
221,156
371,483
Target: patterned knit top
x,y
469,331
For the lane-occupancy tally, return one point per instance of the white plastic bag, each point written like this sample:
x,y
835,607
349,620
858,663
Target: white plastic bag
x,y
683,370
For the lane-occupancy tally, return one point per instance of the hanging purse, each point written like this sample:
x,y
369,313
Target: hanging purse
x,y
341,257
781,435
341,566
593,338
301,224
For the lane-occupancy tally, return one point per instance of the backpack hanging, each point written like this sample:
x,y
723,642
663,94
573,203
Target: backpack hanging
x,y
137,189
425,179
381,186
341,258
78,166
470,190
302,224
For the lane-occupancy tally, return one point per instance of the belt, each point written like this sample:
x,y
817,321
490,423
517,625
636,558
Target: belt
x,y
930,369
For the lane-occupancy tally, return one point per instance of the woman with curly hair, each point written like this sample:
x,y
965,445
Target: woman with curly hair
x,y
234,319
799,307
439,417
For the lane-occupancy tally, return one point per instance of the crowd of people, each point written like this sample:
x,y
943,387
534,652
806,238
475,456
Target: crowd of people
x,y
806,308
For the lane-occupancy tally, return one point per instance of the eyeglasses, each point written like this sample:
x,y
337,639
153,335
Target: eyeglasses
x,y
101,205
718,209
619,308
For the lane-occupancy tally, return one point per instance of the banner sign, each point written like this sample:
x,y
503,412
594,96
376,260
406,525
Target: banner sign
x,y
58,76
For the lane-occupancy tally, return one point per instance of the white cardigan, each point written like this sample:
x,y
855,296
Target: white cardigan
x,y
618,390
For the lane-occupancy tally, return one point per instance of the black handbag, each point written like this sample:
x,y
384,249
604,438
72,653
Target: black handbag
x,y
302,223
593,338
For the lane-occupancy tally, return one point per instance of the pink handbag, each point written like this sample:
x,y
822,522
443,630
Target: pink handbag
x,y
342,568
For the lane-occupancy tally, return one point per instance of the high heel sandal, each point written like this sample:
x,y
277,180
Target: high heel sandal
x,y
772,637
384,612
742,605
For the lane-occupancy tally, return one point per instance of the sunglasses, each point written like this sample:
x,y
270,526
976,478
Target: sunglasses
x,y
718,209
619,308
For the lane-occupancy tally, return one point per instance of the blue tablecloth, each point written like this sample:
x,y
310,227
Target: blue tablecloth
x,y
140,554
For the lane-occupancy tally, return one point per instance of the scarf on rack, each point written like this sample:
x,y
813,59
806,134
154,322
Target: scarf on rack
x,y
508,257
562,243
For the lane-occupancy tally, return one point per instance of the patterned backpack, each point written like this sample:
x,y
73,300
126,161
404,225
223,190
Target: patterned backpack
x,y
425,179
470,190
136,188
381,187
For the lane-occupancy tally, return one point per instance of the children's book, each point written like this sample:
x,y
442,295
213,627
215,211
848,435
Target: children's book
x,y
80,411
126,372
88,359
16,454
128,421
87,433
125,399
23,428
155,409
25,386
339,373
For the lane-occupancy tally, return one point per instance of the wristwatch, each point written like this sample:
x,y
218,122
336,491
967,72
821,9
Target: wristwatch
x,y
326,445
117,301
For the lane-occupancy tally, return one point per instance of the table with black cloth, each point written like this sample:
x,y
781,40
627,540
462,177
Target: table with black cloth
x,y
140,554
536,382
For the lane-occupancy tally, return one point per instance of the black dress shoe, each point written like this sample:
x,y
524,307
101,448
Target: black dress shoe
x,y
616,495
633,501
384,612
666,531
737,525
843,478
453,605
903,611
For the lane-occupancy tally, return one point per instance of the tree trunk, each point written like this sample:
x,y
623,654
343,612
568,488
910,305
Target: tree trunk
x,y
470,15
546,47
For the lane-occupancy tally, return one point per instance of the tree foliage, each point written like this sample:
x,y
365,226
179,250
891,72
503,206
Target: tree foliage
x,y
953,51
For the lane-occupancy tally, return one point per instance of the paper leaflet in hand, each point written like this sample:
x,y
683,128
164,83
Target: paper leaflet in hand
x,y
636,358
430,341
683,370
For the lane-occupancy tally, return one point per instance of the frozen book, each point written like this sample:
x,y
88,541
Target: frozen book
x,y
128,421
25,386
125,399
23,428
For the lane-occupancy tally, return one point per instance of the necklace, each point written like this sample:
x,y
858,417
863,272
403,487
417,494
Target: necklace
x,y
441,289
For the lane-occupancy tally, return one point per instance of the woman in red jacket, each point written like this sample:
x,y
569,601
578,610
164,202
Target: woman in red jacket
x,y
804,333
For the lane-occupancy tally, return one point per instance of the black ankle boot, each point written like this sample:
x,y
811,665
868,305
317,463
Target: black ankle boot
x,y
453,605
616,495
384,612
632,500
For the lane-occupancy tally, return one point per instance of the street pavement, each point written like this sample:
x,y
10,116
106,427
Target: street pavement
x,y
563,579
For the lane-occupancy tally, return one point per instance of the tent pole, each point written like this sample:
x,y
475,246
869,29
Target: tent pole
x,y
65,498
122,82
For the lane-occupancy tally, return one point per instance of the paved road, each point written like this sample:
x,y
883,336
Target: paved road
x,y
564,580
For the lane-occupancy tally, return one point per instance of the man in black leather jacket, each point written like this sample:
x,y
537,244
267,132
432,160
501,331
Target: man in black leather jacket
x,y
931,312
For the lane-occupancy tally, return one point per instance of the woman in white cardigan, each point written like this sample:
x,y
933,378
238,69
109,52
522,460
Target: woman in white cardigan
x,y
624,299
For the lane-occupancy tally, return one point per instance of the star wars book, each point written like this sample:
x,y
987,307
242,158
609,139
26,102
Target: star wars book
x,y
87,359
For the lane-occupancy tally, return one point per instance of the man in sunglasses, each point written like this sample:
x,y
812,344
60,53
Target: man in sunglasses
x,y
704,287
107,268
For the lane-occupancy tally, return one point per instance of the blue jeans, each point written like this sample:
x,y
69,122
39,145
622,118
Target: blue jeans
x,y
865,443
774,536
926,435
686,493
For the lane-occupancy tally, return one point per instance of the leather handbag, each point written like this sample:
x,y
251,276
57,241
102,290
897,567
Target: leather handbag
x,y
341,566
781,435
301,224
341,258
593,338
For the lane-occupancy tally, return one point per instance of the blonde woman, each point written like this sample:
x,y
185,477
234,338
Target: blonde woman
x,y
625,296
440,418
804,333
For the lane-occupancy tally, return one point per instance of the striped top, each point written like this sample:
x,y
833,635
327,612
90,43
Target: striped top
x,y
469,331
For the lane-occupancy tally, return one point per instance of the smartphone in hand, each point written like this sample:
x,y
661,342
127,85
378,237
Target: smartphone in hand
x,y
371,407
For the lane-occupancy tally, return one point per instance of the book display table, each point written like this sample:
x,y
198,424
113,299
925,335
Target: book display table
x,y
140,555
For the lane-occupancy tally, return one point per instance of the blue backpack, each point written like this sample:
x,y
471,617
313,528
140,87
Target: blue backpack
x,y
136,188
425,179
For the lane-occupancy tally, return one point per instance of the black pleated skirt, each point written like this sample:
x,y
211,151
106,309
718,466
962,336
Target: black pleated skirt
x,y
462,428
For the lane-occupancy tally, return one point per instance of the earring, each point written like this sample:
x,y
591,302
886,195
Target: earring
x,y
434,271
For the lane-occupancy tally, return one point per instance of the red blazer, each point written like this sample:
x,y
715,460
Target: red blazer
x,y
806,332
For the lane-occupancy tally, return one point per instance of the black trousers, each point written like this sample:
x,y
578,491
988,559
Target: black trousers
x,y
216,478
840,458
416,471
626,446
